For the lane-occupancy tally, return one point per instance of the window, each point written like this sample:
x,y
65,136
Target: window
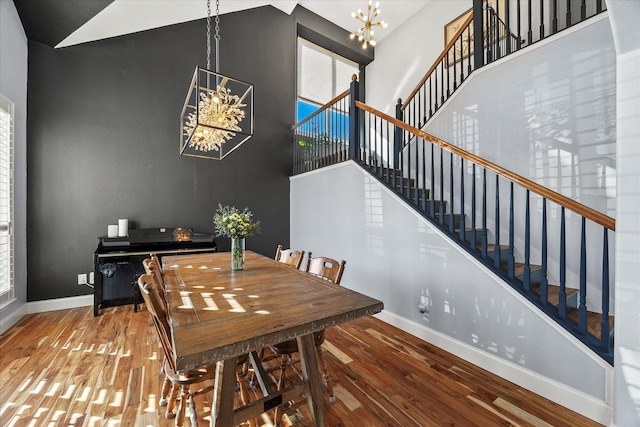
x,y
322,75
6,200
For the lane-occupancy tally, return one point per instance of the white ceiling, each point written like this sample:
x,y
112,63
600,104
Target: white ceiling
x,y
131,16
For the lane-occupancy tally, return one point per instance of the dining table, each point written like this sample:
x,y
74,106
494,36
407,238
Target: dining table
x,y
218,316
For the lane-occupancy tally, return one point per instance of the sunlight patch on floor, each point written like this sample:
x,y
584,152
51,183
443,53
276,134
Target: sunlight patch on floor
x,y
520,413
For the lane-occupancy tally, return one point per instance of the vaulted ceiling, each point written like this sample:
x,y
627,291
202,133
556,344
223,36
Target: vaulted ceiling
x,y
61,23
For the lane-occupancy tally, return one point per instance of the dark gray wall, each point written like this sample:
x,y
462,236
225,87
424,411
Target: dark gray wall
x,y
103,138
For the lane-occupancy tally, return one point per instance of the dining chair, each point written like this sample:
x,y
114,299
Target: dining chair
x,y
290,257
152,266
179,382
327,269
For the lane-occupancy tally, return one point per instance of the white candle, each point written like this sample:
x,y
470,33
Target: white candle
x,y
123,227
112,230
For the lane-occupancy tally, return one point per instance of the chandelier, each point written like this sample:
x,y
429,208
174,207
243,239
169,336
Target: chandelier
x,y
217,116
365,33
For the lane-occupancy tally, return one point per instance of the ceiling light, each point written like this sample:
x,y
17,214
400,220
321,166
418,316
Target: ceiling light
x,y
365,33
217,116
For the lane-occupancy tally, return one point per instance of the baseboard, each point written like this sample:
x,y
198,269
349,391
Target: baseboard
x,y
59,304
8,320
41,306
570,398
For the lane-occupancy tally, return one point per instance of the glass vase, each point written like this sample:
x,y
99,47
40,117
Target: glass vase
x,y
237,254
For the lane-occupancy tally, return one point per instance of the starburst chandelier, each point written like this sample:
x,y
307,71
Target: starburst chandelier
x,y
217,116
365,33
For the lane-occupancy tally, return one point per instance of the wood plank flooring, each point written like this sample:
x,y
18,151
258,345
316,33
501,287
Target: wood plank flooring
x,y
68,368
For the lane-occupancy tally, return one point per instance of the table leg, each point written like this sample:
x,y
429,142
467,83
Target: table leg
x,y
310,372
224,387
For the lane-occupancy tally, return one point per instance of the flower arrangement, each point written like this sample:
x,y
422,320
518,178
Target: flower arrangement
x,y
233,223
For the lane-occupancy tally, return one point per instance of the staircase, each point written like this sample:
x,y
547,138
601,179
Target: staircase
x,y
551,249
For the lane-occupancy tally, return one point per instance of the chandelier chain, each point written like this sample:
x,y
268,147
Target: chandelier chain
x,y
217,36
208,34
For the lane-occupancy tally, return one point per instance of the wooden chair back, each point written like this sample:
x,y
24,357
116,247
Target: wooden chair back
x,y
152,266
290,257
153,295
325,268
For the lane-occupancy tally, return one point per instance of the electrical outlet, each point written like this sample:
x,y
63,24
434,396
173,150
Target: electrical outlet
x,y
82,279
91,278
424,305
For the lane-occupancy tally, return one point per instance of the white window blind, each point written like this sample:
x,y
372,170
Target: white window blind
x,y
322,75
6,199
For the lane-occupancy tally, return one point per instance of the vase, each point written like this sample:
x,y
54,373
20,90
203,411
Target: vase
x,y
237,254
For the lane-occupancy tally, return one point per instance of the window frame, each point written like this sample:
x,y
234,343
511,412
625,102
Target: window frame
x,y
7,200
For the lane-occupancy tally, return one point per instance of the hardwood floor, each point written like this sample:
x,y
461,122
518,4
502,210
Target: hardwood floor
x,y
68,368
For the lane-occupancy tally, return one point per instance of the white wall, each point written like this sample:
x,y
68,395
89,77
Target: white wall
x,y
547,113
396,256
402,57
13,84
625,15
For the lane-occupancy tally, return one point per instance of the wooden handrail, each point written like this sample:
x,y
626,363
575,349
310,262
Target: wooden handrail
x,y
577,207
321,109
445,51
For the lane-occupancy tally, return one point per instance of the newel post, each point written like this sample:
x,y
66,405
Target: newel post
x,y
354,120
397,136
478,36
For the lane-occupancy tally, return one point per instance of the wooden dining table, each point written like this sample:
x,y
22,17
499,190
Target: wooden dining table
x,y
219,315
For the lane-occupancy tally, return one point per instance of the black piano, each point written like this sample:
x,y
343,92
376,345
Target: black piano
x,y
117,262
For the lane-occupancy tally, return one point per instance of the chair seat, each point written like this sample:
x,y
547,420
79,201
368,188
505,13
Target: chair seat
x,y
190,377
197,375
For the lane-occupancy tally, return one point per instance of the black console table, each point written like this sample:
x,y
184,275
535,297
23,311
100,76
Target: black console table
x,y
117,262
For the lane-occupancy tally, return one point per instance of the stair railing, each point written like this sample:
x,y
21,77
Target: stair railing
x,y
516,227
322,138
494,29
499,40
448,72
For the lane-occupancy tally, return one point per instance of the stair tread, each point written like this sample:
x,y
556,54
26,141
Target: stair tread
x,y
553,292
468,231
519,268
593,321
492,246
